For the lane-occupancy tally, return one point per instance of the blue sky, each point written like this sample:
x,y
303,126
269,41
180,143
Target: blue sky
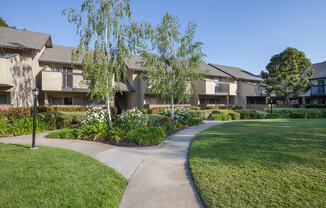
x,y
242,33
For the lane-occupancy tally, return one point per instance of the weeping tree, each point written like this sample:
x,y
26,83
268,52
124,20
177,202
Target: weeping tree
x,y
108,36
172,60
287,74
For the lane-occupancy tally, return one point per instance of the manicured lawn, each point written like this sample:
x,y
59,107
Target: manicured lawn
x,y
54,177
261,163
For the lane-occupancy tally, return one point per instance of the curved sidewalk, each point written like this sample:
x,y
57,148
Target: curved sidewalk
x,y
162,179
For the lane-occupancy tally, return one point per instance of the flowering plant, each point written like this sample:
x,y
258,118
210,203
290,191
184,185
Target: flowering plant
x,y
182,115
95,114
131,119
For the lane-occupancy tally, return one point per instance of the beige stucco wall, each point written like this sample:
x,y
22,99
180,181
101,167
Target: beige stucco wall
x,y
245,89
22,70
5,66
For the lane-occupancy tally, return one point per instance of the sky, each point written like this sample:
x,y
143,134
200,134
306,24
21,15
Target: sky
x,y
240,33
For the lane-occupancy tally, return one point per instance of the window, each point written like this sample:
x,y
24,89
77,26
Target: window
x,y
4,98
67,101
256,101
214,101
217,85
67,75
321,86
88,101
55,101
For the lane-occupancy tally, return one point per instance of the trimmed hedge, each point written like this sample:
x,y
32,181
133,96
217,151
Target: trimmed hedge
x,y
296,113
227,107
251,114
146,136
220,117
204,114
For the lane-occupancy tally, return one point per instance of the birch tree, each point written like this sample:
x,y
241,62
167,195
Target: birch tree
x,y
172,60
108,36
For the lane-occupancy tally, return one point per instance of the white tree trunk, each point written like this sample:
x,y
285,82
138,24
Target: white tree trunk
x,y
108,109
172,108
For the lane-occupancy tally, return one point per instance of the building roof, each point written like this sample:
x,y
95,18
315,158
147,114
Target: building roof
x,y
211,71
22,39
319,69
134,62
59,54
237,72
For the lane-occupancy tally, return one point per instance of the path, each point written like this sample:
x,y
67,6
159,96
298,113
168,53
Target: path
x,y
159,175
162,179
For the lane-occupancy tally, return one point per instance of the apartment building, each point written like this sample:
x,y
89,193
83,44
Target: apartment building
x,y
29,59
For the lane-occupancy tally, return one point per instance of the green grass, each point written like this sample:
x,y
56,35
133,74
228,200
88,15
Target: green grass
x,y
54,177
261,163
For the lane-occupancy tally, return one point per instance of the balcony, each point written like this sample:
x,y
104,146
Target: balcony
x,y
60,81
211,87
318,90
6,66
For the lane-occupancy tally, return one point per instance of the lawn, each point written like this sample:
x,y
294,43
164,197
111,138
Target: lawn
x,y
261,163
54,177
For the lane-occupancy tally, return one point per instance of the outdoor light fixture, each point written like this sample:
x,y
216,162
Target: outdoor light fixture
x,y
35,94
270,101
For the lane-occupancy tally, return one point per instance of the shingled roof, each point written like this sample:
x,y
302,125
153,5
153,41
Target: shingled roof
x,y
59,54
22,39
319,69
237,72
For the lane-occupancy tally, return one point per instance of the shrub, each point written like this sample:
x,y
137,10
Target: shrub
x,y
235,115
252,114
66,133
157,120
194,108
182,115
204,114
15,113
220,117
144,110
93,131
168,128
146,136
196,121
226,107
116,134
131,119
297,115
157,110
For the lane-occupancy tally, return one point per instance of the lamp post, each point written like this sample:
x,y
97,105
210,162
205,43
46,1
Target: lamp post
x,y
35,94
271,102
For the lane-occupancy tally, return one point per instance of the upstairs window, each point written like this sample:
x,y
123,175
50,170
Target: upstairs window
x,y
4,98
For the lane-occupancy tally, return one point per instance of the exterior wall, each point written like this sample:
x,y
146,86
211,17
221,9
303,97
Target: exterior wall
x,y
22,70
246,88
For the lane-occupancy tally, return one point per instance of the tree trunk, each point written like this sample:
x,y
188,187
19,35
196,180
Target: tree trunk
x,y
172,109
108,109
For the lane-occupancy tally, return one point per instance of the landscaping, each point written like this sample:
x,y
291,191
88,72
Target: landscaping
x,y
261,163
54,177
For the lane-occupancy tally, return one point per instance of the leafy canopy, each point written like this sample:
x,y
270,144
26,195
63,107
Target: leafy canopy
x,y
172,60
108,36
286,74
3,23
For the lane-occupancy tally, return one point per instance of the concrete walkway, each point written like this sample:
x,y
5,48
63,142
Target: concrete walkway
x,y
163,178
159,175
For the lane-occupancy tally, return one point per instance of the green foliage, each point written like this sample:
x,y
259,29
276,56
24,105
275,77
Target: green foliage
x,y
66,133
296,113
131,119
227,107
196,121
156,120
172,59
204,114
235,115
252,114
194,108
168,128
21,126
287,74
144,110
93,131
116,134
146,136
3,23
220,117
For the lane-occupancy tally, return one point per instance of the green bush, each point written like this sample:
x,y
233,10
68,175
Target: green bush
x,y
168,128
66,133
297,115
226,107
251,114
93,131
204,114
21,126
157,120
220,117
196,121
146,136
116,134
194,108
235,115
131,119
144,110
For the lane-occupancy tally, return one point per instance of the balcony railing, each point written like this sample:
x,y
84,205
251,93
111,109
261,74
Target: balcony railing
x,y
57,81
318,90
211,87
